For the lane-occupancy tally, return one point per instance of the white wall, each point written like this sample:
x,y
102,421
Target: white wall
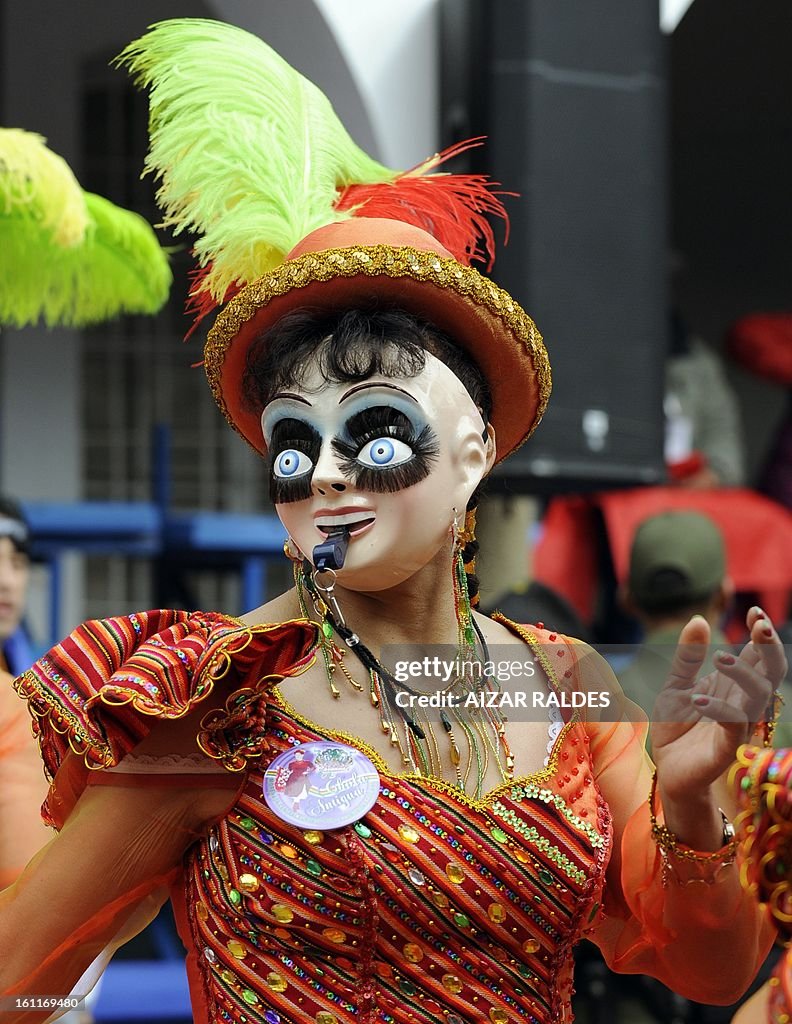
x,y
392,52
376,60
672,12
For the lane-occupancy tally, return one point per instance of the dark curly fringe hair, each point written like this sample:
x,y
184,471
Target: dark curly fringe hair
x,y
351,346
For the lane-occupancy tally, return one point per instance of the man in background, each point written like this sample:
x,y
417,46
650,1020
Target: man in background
x,y
15,651
677,570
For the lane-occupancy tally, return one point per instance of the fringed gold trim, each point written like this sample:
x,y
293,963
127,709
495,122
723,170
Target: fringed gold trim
x,y
433,781
84,745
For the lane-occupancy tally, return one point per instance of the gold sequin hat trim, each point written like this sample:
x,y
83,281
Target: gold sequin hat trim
x,y
343,265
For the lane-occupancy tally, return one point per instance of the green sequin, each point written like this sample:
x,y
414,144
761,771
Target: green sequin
x,y
531,835
532,791
362,830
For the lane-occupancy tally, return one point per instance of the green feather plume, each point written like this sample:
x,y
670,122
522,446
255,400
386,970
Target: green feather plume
x,y
110,263
249,154
37,185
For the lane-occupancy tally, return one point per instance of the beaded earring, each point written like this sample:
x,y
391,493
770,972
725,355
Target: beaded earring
x,y
295,556
488,722
464,615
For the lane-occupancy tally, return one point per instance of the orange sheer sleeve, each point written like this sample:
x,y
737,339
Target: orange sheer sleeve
x,y
97,883
23,786
697,931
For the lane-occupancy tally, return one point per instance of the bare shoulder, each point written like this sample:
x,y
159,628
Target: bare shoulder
x,y
280,609
495,632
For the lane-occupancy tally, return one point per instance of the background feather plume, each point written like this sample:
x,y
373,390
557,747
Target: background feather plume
x,y
38,186
251,157
67,256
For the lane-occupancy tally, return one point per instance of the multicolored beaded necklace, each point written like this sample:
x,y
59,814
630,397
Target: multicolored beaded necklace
x,y
411,729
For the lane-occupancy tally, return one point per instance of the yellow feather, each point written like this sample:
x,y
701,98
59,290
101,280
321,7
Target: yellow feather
x,y
38,184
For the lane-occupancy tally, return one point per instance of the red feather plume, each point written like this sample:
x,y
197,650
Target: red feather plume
x,y
200,302
453,208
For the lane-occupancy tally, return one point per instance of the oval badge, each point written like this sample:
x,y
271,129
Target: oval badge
x,y
321,785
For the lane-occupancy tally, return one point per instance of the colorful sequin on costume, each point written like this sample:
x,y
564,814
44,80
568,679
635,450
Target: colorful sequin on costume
x,y
432,907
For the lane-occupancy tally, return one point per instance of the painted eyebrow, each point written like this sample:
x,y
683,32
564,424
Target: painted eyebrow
x,y
289,395
376,384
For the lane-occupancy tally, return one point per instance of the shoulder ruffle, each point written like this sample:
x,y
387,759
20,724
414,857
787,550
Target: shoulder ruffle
x,y
99,692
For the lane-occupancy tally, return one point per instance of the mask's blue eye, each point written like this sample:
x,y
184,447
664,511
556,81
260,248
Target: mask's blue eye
x,y
291,463
384,452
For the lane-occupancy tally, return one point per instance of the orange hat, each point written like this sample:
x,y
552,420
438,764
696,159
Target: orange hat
x,y
342,265
290,214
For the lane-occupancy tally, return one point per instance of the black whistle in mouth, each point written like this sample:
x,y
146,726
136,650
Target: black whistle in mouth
x,y
331,553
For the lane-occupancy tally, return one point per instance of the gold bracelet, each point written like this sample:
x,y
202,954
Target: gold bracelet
x,y
670,845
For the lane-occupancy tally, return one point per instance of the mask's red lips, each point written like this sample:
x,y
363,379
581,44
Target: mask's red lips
x,y
353,520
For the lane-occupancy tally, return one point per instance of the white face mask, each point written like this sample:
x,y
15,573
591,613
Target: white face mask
x,y
389,458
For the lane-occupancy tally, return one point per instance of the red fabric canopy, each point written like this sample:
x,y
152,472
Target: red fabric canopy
x,y
757,533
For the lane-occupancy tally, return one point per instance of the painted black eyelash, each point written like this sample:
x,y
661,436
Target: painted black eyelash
x,y
387,480
301,436
378,421
369,424
283,491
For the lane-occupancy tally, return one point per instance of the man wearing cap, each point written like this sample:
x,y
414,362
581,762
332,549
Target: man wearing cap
x,y
22,782
677,570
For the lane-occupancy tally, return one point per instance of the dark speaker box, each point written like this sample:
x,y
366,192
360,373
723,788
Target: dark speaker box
x,y
571,97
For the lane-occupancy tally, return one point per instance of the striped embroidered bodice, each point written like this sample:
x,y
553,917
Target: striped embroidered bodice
x,y
433,907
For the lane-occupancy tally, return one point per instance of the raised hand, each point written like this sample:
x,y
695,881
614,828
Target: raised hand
x,y
700,722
